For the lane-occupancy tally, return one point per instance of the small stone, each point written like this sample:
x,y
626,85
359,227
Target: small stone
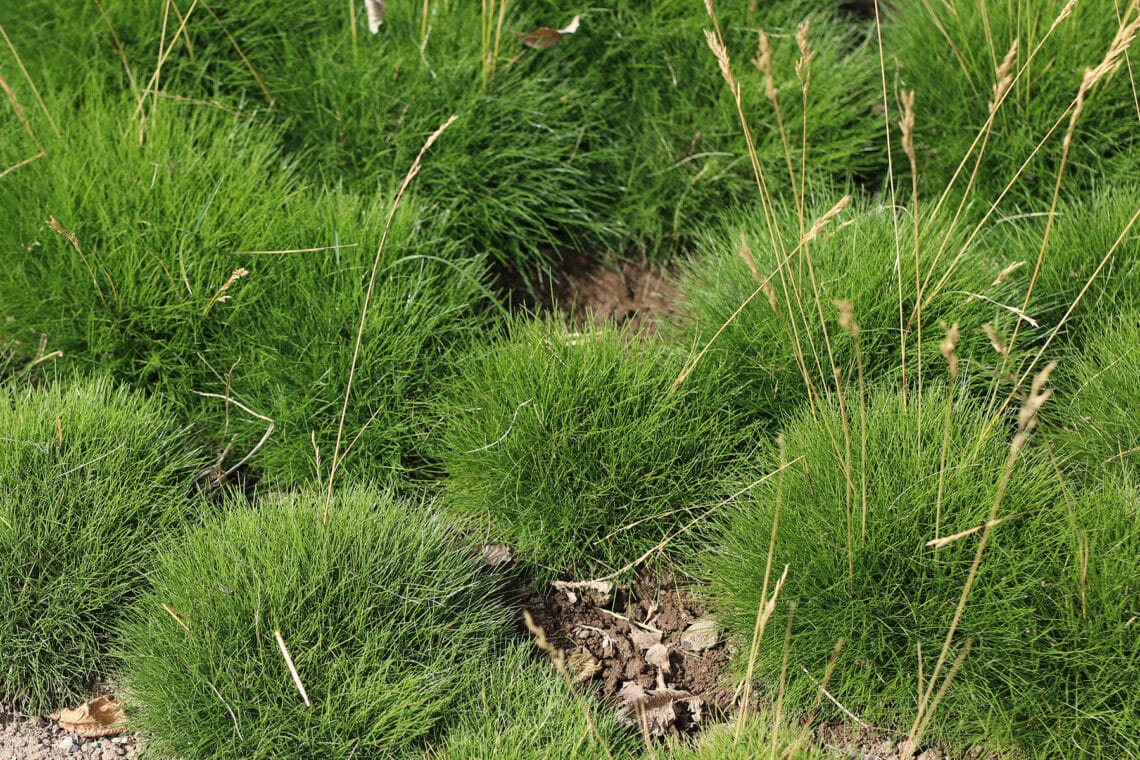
x,y
700,635
68,744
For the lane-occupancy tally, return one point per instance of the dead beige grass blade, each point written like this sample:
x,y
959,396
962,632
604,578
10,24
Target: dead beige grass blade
x,y
1026,422
292,669
338,458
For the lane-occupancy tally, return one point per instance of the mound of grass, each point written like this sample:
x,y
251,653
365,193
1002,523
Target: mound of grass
x,y
577,450
523,710
160,288
950,54
1100,400
620,135
765,306
1092,260
91,476
388,621
853,530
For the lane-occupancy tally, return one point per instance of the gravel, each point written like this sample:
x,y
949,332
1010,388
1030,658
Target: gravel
x,y
37,738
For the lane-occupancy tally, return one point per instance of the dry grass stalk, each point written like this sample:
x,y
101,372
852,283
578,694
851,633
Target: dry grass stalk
x,y
982,138
292,669
1003,77
1125,35
763,614
778,716
174,614
20,113
910,746
218,479
28,79
851,327
336,247
1006,273
995,341
746,254
21,164
71,238
764,287
236,275
949,349
1025,422
413,170
794,749
559,660
766,606
763,62
163,53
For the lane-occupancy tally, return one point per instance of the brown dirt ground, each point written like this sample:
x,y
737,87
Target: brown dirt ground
x,y
587,291
611,633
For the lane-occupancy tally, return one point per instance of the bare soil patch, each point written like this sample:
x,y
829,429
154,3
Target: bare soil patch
x,y
649,649
590,292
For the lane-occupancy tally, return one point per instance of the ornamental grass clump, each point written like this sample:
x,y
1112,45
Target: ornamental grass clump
x,y
201,267
578,451
985,610
92,475
783,308
1100,401
996,89
270,633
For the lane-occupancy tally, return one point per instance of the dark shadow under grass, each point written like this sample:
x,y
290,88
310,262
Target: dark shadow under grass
x,y
91,477
389,622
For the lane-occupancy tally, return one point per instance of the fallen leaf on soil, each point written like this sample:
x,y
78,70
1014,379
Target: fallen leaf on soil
x,y
375,14
700,635
657,705
583,665
643,639
496,554
544,37
99,717
604,589
658,656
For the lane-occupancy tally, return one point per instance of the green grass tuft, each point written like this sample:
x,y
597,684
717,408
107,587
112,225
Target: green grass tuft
x,y
524,710
388,620
890,594
163,227
91,476
575,449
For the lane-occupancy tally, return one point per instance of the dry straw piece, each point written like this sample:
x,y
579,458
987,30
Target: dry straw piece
x,y
292,669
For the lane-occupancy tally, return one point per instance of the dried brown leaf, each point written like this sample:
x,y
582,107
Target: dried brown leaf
x,y
99,717
658,656
643,639
658,706
544,37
